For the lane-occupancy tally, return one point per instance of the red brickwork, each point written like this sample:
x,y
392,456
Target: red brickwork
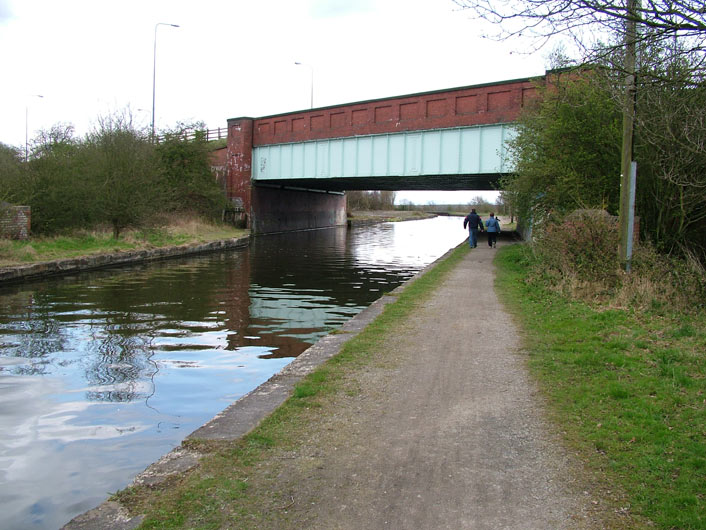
x,y
239,162
15,221
456,107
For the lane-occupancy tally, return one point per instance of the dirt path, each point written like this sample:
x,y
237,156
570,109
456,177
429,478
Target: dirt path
x,y
446,432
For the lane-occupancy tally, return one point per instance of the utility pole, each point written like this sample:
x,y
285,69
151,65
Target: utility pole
x,y
626,183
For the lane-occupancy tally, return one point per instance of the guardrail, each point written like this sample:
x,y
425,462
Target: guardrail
x,y
207,134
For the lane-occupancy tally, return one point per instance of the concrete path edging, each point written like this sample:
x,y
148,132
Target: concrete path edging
x,y
243,415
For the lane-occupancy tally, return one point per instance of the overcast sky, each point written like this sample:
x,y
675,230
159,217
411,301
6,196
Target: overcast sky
x,y
232,58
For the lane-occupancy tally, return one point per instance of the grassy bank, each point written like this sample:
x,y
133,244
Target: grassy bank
x,y
628,388
176,232
387,215
236,485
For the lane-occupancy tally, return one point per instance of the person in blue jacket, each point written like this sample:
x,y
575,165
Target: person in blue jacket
x,y
492,226
474,223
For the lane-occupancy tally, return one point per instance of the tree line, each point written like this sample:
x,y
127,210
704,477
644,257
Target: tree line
x,y
114,176
370,200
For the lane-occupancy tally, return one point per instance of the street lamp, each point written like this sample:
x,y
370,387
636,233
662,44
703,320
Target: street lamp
x,y
312,80
26,124
154,67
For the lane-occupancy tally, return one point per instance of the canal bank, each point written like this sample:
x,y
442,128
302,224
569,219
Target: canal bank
x,y
36,271
437,425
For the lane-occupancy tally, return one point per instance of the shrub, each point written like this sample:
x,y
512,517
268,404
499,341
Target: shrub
x,y
663,280
578,255
190,183
584,245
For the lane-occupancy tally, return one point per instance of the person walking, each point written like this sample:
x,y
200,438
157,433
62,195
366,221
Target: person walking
x,y
474,223
492,226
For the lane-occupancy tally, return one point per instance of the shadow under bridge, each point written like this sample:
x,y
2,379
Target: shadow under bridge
x,y
458,158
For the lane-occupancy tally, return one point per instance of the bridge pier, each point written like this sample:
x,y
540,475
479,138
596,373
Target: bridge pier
x,y
274,208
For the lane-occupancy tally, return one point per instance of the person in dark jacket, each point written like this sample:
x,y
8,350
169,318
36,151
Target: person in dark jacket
x,y
474,223
492,226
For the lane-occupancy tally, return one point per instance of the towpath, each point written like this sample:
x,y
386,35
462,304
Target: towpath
x,y
444,430
447,432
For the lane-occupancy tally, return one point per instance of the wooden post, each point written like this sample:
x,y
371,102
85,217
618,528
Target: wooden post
x,y
628,127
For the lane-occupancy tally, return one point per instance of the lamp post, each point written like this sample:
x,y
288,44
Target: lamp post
x,y
312,80
154,67
27,126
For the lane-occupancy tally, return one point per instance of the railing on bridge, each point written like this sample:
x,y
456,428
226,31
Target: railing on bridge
x,y
209,135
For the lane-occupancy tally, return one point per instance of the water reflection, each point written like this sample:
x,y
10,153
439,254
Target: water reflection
x,y
102,373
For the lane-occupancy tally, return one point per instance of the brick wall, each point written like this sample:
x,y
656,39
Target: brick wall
x,y
15,221
475,105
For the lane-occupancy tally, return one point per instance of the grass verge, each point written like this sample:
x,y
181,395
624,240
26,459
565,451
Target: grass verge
x,y
628,388
178,232
236,483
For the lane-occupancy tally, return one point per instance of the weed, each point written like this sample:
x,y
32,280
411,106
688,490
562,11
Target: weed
x,y
577,256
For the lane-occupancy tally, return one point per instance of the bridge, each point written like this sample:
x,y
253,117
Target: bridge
x,y
289,171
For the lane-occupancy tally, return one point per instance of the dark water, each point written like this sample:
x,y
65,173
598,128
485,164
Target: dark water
x,y
102,373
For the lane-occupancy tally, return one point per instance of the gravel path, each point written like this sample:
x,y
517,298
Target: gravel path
x,y
444,432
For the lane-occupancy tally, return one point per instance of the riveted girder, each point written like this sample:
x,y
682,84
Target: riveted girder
x,y
458,158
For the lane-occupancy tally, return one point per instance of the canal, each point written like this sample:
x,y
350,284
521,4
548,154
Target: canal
x,y
102,373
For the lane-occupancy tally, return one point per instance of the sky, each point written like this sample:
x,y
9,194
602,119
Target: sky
x,y
231,58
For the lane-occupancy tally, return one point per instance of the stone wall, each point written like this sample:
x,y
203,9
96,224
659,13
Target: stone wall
x,y
15,221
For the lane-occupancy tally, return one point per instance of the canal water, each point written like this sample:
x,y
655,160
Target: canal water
x,y
102,373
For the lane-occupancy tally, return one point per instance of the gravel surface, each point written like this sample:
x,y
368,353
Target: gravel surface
x,y
444,430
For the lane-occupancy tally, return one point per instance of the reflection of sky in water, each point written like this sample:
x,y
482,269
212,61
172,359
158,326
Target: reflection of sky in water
x,y
103,373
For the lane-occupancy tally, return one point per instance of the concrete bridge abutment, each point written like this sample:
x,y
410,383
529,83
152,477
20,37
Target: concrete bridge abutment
x,y
285,209
270,209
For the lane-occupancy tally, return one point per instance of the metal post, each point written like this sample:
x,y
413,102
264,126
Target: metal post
x,y
154,67
631,216
312,81
27,126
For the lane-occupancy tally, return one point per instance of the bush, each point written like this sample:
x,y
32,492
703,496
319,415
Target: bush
x,y
584,245
189,179
113,176
10,172
578,256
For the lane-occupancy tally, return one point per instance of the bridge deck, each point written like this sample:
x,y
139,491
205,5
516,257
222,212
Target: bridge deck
x,y
455,158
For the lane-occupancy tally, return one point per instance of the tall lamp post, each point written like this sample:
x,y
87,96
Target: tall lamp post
x,y
27,126
154,67
312,80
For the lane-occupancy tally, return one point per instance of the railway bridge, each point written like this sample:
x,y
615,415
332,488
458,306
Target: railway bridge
x,y
290,171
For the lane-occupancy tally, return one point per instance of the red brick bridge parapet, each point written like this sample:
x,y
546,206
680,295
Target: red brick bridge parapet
x,y
477,105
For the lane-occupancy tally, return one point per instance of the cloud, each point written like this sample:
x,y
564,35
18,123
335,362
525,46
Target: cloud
x,y
5,11
338,8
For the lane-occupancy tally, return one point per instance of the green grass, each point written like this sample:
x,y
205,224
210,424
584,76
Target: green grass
x,y
235,484
627,388
97,242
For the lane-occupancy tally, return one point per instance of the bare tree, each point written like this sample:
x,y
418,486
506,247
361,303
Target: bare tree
x,y
597,27
547,18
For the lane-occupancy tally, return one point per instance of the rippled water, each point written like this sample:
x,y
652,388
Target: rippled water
x,y
102,373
